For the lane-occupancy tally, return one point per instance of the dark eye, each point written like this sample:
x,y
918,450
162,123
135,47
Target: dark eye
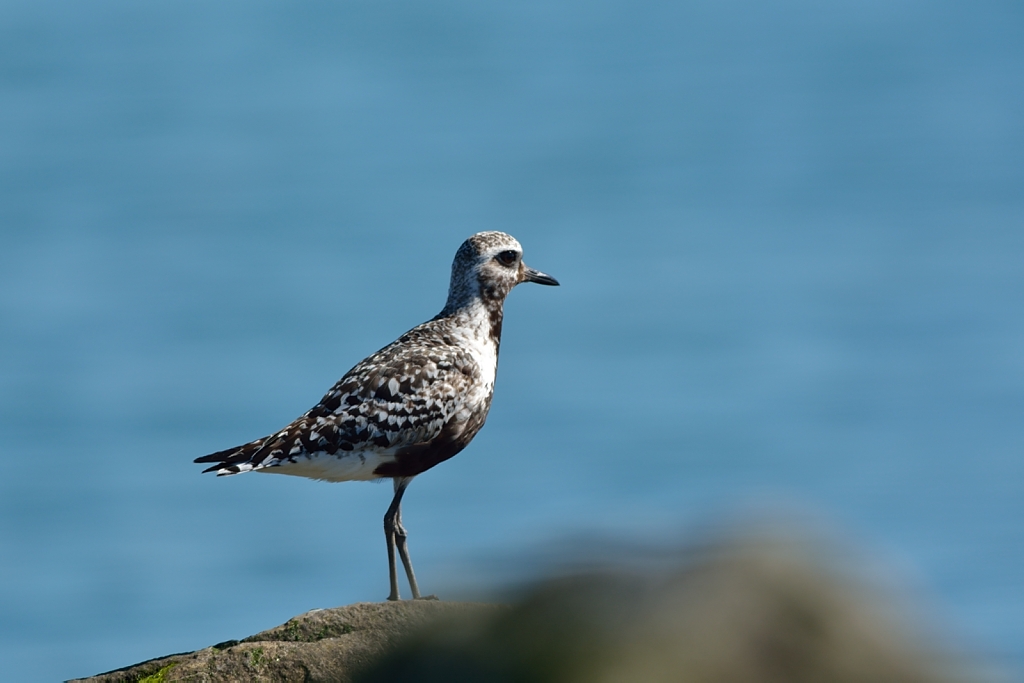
x,y
507,258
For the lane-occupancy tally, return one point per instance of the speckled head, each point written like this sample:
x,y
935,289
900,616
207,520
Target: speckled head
x,y
487,266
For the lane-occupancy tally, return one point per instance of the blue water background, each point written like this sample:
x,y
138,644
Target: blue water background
x,y
790,237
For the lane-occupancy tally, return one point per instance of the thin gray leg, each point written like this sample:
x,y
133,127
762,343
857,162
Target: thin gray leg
x,y
389,535
396,536
403,551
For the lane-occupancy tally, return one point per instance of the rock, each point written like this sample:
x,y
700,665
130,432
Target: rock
x,y
322,645
745,611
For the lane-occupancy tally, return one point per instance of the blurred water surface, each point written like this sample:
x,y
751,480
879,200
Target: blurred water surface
x,y
789,236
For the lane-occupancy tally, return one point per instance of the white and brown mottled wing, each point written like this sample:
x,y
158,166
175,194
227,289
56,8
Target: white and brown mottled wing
x,y
397,413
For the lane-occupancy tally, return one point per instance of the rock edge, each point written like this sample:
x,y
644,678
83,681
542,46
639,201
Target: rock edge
x,y
320,645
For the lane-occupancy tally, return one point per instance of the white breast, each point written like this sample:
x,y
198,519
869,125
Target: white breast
x,y
473,333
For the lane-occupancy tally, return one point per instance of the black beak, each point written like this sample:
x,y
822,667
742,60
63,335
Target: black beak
x,y
531,275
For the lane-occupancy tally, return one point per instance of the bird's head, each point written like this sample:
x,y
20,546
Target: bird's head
x,y
487,266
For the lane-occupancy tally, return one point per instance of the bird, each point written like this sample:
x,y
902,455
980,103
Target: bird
x,y
411,405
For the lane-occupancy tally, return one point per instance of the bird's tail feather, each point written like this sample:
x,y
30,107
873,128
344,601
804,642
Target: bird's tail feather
x,y
233,460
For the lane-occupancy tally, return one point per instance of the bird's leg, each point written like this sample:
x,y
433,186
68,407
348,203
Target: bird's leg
x,y
391,518
389,535
396,536
403,551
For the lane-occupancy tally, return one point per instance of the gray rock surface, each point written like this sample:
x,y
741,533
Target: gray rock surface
x,y
322,645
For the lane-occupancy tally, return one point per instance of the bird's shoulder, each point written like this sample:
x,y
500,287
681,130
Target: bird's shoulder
x,y
424,365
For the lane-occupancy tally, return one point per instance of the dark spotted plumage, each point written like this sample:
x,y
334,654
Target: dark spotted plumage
x,y
413,404
397,406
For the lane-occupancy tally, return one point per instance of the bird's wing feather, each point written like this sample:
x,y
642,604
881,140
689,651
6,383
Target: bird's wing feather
x,y
401,396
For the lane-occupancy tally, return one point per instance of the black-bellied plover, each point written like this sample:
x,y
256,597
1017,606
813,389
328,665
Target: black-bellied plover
x,y
415,403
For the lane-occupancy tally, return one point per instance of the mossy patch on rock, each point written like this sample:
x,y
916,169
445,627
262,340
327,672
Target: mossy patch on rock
x,y
160,676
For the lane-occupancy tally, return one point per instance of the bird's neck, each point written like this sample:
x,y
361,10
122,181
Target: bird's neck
x,y
478,305
480,316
